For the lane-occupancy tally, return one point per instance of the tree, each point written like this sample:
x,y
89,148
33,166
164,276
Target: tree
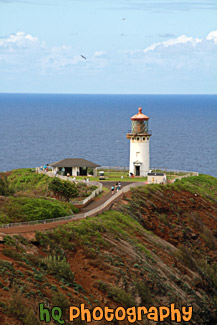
x,y
63,189
4,186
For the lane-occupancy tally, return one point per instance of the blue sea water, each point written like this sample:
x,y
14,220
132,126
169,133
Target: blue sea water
x,y
37,128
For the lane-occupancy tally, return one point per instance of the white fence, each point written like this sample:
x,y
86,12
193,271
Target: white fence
x,y
35,222
176,171
91,196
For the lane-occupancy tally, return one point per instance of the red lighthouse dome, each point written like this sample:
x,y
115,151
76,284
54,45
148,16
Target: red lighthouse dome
x,y
139,116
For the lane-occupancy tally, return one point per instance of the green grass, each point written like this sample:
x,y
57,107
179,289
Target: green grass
x,y
18,209
116,178
204,185
89,233
171,173
27,180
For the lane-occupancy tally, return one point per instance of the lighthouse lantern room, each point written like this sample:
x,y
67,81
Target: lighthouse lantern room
x,y
139,145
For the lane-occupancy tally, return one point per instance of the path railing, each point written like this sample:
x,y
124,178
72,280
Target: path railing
x,y
35,222
176,171
91,196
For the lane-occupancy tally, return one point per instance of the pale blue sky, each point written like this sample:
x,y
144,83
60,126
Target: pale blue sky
x,y
161,46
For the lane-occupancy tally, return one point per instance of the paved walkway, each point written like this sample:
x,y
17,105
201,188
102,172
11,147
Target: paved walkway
x,y
98,201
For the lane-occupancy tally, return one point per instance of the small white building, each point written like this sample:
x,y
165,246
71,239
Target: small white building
x,y
75,167
139,145
157,178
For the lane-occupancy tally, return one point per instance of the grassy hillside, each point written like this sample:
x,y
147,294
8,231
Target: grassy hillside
x,y
26,181
204,185
26,195
19,209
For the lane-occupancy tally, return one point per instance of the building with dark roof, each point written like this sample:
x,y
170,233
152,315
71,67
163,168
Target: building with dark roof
x,y
75,167
157,178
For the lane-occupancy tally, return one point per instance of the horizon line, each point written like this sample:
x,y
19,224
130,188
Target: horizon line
x,y
122,94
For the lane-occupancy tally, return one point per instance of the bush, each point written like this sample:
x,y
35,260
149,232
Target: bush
x,y
27,209
4,186
58,267
144,293
12,254
63,189
18,309
185,256
209,238
117,294
61,301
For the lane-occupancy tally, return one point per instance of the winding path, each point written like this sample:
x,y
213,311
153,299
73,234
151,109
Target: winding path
x,y
98,205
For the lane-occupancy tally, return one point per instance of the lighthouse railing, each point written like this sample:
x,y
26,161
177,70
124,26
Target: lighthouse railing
x,y
149,132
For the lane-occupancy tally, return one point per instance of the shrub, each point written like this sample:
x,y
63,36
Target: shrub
x,y
186,258
10,241
63,189
4,186
121,296
27,209
58,267
209,238
12,254
61,301
144,293
117,294
18,309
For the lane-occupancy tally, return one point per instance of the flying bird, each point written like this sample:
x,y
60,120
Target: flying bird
x,y
123,18
83,57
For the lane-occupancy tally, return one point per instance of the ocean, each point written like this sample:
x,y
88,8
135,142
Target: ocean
x,y
36,129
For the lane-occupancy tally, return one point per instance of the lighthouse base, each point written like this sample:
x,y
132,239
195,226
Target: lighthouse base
x,y
137,169
138,173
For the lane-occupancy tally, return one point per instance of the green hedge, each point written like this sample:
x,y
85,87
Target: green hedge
x,y
26,209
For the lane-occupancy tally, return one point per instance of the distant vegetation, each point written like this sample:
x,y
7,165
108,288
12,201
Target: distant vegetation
x,y
26,195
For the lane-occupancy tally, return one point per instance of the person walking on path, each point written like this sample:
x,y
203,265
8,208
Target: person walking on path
x,y
112,189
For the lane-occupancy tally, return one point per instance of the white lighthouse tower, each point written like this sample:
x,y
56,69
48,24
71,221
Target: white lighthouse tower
x,y
139,145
